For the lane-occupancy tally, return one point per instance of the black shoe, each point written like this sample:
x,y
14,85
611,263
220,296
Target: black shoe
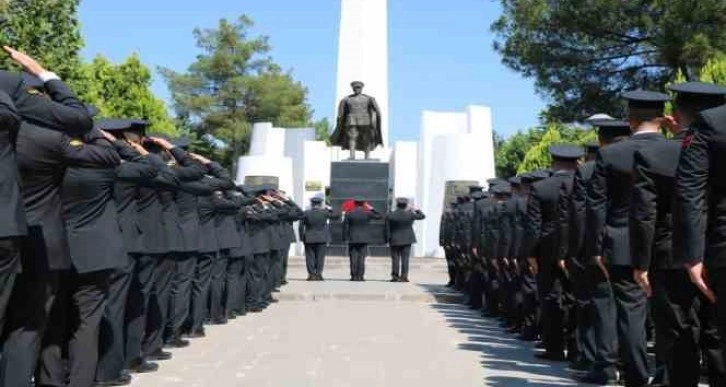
x,y
123,380
320,278
514,329
602,380
539,345
143,367
255,310
403,279
284,282
177,342
394,279
219,321
160,356
276,290
312,278
552,356
197,334
231,316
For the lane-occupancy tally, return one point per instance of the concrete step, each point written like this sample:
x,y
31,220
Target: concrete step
x,y
371,291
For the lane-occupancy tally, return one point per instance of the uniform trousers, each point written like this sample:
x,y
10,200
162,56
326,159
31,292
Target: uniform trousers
x,y
233,278
257,280
30,305
493,289
400,256
285,258
315,258
450,264
530,303
9,269
621,308
216,293
75,320
551,280
181,293
158,312
357,253
275,274
241,304
201,284
111,343
581,280
137,306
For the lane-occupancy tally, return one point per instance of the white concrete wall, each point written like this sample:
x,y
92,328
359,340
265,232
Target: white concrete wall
x,y
404,171
363,53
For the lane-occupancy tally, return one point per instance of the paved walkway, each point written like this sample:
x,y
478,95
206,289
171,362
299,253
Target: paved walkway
x,y
339,333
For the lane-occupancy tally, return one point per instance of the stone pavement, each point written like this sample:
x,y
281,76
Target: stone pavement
x,y
349,334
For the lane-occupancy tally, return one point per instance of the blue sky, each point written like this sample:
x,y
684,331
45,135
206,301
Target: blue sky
x,y
441,55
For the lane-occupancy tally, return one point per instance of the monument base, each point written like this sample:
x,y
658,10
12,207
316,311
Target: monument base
x,y
368,179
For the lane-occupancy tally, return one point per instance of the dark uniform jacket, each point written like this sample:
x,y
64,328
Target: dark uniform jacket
x,y
608,202
543,217
313,226
356,226
464,220
576,213
701,191
153,238
91,217
62,111
651,220
519,225
226,207
506,213
399,227
478,226
134,170
42,157
259,218
564,217
241,221
216,180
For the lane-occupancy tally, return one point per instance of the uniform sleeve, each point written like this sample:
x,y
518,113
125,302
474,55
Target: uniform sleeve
x,y
217,170
199,187
187,169
563,217
136,171
346,228
301,228
643,213
596,209
9,117
576,232
476,229
418,215
534,222
62,111
79,154
691,185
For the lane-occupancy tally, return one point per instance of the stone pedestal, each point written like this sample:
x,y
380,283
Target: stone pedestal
x,y
369,180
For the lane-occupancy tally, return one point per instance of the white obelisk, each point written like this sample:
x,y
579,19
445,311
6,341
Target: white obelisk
x,y
363,53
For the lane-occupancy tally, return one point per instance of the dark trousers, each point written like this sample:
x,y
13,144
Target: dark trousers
x,y
9,269
448,254
400,256
28,311
137,306
285,258
315,258
201,284
257,280
625,306
240,307
75,320
111,343
584,313
181,293
530,302
216,293
553,311
357,253
159,305
235,266
275,270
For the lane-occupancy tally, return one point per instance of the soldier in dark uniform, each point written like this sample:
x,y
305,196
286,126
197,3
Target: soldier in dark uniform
x,y
505,210
43,156
356,231
678,311
400,237
314,232
608,207
528,274
259,218
223,265
518,204
543,245
476,252
134,169
294,214
446,240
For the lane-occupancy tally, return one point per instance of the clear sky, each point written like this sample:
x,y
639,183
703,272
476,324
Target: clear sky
x,y
441,55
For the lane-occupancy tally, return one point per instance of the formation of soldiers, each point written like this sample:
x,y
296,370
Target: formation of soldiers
x,y
618,244
115,244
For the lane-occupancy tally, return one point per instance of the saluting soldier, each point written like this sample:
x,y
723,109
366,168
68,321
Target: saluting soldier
x,y
400,237
446,241
608,207
356,231
314,233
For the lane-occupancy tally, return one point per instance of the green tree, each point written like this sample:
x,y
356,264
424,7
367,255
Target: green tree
x,y
46,29
124,90
583,53
509,153
234,83
322,130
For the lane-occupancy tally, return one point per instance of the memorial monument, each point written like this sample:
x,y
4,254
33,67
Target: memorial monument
x,y
358,123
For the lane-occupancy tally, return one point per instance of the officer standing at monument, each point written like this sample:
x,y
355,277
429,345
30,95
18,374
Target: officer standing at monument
x,y
446,240
356,231
358,123
400,237
314,233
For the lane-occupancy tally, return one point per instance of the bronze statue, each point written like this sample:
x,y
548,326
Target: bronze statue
x,y
359,123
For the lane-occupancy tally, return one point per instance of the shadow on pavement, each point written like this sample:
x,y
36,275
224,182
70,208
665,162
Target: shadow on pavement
x,y
505,360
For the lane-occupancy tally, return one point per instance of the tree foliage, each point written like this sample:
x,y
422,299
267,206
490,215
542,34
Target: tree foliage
x,y
583,53
124,90
46,29
233,84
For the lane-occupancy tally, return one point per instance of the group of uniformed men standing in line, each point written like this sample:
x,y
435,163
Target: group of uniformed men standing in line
x,y
609,248
113,244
